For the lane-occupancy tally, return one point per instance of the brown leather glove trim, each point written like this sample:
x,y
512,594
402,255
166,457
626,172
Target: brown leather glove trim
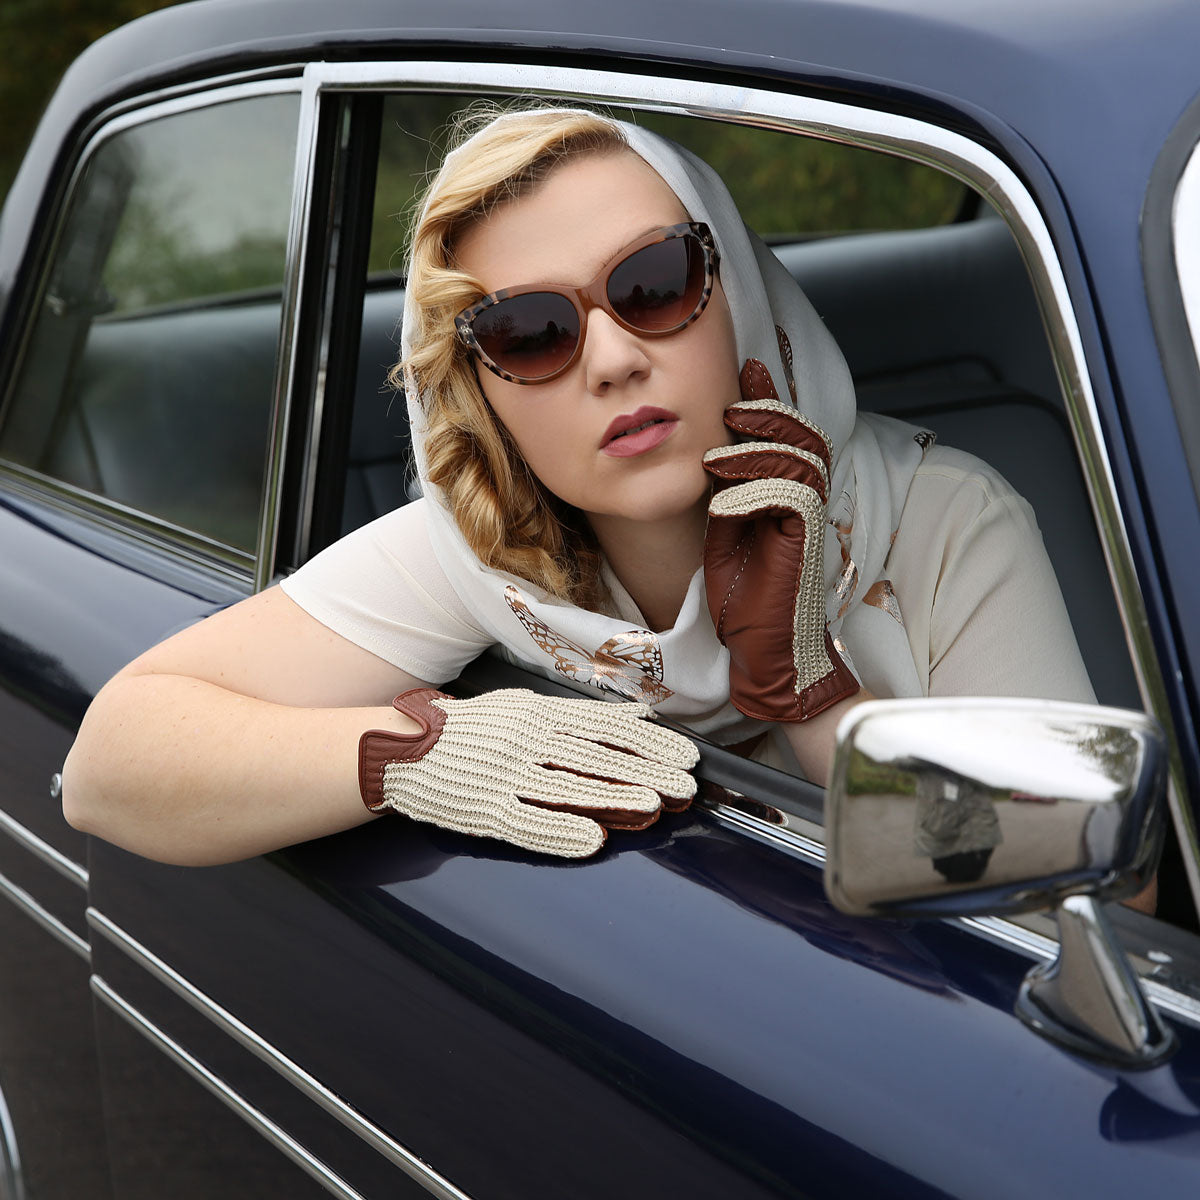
x,y
378,747
776,427
606,818
755,381
760,463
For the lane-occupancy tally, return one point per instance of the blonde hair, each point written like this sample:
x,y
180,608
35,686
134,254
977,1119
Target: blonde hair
x,y
509,519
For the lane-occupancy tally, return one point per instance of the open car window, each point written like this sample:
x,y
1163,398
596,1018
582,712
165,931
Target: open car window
x,y
920,282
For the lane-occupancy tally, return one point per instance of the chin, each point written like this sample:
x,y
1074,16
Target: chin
x,y
667,505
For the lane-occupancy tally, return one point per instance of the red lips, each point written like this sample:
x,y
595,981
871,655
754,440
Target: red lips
x,y
635,425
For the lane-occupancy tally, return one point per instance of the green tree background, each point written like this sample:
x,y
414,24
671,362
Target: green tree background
x,y
39,39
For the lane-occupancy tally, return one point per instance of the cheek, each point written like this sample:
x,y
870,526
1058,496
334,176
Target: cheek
x,y
719,349
720,337
531,423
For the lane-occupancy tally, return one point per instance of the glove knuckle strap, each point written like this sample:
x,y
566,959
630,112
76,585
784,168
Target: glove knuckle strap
x,y
378,747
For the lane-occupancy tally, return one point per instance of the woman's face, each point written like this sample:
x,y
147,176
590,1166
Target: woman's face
x,y
563,231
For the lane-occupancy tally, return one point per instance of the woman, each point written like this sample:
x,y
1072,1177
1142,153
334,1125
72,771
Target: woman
x,y
571,437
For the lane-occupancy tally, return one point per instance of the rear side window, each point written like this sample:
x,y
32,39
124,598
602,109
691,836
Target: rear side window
x,y
148,375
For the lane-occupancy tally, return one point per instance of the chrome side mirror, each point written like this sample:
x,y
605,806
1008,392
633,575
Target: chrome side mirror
x,y
967,807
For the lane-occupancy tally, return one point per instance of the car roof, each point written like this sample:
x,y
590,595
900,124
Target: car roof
x,y
1031,63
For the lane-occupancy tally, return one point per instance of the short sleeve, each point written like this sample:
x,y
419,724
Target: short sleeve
x,y
382,588
979,597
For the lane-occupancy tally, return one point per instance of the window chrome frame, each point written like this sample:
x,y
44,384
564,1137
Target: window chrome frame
x,y
902,136
187,548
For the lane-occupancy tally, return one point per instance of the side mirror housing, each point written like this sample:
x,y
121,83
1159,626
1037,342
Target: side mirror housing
x,y
967,807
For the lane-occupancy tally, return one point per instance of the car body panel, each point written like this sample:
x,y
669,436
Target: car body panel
x,y
400,1010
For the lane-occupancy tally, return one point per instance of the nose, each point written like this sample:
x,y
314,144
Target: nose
x,y
611,355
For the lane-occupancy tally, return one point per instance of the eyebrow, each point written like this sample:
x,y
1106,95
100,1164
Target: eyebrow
x,y
637,237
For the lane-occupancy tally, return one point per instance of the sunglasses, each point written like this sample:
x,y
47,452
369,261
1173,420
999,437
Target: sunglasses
x,y
655,286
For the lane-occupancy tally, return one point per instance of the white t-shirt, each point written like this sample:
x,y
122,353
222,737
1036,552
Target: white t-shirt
x,y
975,591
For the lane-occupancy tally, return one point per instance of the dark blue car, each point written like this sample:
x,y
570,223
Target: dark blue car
x,y
996,210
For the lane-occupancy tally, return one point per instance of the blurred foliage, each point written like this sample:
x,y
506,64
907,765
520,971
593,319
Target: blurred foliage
x,y
866,777
41,38
786,187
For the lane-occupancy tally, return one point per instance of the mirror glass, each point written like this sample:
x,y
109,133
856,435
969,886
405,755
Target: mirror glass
x,y
989,806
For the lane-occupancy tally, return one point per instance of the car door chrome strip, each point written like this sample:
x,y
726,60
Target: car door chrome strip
x,y
436,1184
12,1178
254,1117
68,868
785,831
47,920
1038,946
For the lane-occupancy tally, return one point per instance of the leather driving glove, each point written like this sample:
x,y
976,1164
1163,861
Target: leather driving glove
x,y
544,772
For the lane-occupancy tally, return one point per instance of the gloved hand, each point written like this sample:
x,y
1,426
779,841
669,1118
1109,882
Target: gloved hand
x,y
547,773
764,558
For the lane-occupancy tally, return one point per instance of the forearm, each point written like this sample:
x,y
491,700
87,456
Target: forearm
x,y
813,741
185,771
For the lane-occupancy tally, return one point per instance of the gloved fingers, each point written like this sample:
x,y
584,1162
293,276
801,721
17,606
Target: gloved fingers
x,y
774,497
549,787
773,421
755,382
546,830
624,726
607,762
768,460
608,818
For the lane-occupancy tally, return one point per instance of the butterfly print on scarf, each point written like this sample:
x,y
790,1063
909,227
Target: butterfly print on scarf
x,y
629,663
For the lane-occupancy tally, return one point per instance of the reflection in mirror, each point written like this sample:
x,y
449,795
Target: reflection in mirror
x,y
990,806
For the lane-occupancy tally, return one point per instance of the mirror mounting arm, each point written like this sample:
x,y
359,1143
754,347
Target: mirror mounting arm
x,y
1088,999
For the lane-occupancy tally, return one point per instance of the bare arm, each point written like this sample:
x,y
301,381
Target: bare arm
x,y
813,741
236,736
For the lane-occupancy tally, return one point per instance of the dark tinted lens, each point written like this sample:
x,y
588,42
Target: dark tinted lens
x,y
658,287
528,336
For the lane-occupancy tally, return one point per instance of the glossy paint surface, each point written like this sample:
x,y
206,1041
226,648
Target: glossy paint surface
x,y
688,1008
686,1014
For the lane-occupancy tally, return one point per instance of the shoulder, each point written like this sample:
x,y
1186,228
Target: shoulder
x,y
955,486
401,534
373,559
944,468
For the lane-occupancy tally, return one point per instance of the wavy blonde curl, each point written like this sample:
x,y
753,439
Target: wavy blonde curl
x,y
510,520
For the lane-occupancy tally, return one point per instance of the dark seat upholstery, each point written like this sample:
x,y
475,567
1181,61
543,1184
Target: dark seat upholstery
x,y
169,414
378,475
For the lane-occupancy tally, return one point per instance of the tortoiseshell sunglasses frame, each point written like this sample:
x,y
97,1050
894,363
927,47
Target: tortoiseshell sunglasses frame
x,y
595,295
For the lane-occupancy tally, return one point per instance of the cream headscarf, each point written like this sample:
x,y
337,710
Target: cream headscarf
x,y
684,671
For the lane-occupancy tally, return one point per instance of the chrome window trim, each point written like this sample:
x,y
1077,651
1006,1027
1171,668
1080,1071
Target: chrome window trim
x,y
254,1117
907,137
162,105
1185,231
289,333
183,547
68,868
379,1141
46,919
189,546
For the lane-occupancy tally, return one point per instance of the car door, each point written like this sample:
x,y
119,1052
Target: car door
x,y
400,1010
